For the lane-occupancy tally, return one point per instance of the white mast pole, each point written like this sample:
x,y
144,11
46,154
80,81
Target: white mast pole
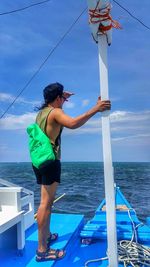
x,y
107,156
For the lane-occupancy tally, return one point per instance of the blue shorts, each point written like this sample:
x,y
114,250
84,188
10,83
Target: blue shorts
x,y
48,173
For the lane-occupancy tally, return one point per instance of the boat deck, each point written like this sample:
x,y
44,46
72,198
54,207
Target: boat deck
x,y
77,254
68,226
72,229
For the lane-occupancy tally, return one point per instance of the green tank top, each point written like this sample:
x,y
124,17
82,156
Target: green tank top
x,y
41,120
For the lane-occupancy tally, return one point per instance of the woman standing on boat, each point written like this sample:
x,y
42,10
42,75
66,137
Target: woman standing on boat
x,y
51,119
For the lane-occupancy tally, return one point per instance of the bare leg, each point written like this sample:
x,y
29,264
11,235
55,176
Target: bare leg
x,y
43,214
48,226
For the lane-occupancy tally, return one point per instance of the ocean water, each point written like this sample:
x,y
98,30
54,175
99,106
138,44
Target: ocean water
x,y
83,183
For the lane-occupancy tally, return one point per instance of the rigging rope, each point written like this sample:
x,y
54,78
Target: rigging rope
x,y
23,8
92,14
134,17
98,15
43,63
101,21
133,254
42,2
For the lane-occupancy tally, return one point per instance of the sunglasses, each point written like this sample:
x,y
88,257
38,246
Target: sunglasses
x,y
64,98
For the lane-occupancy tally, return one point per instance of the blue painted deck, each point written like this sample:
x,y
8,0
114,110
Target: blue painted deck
x,y
68,227
71,229
96,228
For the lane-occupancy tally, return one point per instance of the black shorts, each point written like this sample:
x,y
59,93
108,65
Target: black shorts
x,y
48,173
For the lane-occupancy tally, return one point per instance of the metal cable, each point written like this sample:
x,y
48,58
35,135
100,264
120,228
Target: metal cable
x,y
134,17
43,63
23,8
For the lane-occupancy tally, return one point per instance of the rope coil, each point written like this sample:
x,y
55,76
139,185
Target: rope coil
x,y
130,253
133,254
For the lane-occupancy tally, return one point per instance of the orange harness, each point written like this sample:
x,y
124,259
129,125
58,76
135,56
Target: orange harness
x,y
99,15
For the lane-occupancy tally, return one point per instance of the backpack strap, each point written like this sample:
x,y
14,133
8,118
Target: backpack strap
x,y
41,118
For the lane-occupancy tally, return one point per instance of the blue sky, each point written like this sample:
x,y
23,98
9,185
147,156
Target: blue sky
x,y
26,39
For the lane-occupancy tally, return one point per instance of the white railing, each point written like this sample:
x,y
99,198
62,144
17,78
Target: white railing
x,y
26,203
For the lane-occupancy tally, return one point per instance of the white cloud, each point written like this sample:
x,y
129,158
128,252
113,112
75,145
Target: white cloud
x,y
8,98
125,125
137,136
17,122
85,102
122,116
69,104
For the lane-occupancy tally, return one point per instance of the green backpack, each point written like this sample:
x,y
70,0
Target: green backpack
x,y
40,146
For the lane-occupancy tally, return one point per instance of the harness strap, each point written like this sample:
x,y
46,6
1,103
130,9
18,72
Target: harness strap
x,y
98,15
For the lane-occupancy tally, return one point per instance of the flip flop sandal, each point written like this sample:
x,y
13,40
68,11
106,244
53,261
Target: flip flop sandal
x,y
53,237
49,255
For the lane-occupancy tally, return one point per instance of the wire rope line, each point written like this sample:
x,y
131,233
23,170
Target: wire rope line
x,y
45,1
95,260
24,8
43,63
134,17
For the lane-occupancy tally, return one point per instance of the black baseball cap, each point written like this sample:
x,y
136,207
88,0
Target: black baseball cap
x,y
53,90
